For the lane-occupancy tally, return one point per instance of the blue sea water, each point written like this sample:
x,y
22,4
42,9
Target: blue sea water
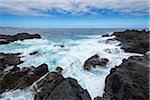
x,y
69,49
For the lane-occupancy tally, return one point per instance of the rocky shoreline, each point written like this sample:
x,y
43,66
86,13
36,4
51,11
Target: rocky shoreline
x,y
5,39
133,40
128,81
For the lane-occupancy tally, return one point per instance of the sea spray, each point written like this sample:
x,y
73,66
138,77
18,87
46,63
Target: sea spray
x,y
70,57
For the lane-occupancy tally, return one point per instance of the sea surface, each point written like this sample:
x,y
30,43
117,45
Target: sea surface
x,y
69,49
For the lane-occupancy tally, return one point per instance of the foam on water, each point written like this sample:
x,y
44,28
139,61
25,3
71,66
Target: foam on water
x,y
71,58
18,95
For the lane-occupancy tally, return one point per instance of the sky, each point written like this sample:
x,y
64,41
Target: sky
x,y
75,13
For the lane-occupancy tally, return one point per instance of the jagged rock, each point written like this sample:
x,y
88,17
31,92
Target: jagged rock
x,y
21,78
98,98
8,60
55,87
128,81
5,39
95,61
105,35
34,53
133,40
59,69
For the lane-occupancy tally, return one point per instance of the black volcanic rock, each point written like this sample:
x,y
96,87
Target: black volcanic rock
x,y
8,60
55,87
98,98
5,39
34,53
133,40
95,61
18,78
105,35
128,81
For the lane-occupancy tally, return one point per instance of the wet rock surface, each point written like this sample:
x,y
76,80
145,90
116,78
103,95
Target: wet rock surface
x,y
5,39
55,87
128,81
105,35
52,87
20,78
8,60
34,53
95,61
133,40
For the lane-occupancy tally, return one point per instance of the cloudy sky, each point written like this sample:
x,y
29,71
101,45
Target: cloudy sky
x,y
75,13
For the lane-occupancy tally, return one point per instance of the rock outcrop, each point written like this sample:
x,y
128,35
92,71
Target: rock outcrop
x,y
105,35
17,78
133,40
5,39
8,60
95,61
128,81
98,98
34,53
55,87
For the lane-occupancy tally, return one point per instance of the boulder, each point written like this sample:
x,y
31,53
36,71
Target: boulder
x,y
18,78
5,39
133,40
55,87
34,53
128,81
95,61
105,35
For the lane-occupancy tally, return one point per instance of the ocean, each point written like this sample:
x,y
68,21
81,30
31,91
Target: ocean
x,y
69,49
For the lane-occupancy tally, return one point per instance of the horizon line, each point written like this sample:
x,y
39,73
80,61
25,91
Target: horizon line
x,y
75,27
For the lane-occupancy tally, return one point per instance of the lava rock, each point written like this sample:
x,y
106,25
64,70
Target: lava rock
x,y
105,35
5,39
59,69
98,98
34,53
95,61
21,78
133,40
9,60
55,87
128,81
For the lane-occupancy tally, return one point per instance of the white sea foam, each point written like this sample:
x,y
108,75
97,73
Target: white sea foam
x,y
18,95
71,58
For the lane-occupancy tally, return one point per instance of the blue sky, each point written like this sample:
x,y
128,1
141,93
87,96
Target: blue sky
x,y
74,14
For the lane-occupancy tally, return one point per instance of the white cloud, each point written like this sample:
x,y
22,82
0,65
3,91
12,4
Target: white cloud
x,y
44,7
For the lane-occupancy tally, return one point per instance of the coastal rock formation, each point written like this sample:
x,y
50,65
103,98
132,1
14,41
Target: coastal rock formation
x,y
98,98
34,53
59,69
128,81
55,87
8,60
5,39
133,40
95,61
21,78
105,35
